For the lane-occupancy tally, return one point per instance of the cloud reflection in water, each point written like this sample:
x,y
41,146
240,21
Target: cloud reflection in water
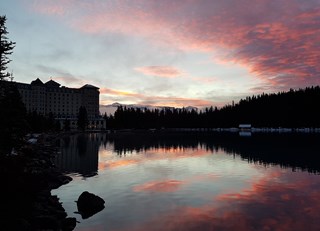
x,y
293,203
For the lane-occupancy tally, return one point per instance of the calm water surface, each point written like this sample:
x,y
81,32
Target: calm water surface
x,y
194,182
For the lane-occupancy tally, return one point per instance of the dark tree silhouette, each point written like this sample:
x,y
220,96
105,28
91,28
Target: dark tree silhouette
x,y
40,123
6,47
13,124
83,118
295,108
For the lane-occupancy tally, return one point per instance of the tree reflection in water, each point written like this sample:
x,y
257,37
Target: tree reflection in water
x,y
79,153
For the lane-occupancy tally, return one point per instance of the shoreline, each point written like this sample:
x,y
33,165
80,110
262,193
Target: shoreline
x,y
29,176
213,130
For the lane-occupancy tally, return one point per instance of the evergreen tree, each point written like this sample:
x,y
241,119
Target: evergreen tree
x,y
13,125
6,47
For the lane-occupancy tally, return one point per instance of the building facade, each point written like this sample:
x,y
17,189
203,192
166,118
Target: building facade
x,y
61,102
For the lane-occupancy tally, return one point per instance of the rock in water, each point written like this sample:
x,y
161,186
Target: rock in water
x,y
89,204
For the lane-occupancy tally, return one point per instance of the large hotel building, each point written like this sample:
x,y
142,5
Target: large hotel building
x,y
62,102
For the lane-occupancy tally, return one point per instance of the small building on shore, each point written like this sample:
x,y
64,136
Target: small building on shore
x,y
245,127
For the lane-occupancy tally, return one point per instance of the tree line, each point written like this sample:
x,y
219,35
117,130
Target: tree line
x,y
295,108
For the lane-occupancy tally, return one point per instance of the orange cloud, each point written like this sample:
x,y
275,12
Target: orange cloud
x,y
176,101
160,71
154,100
109,91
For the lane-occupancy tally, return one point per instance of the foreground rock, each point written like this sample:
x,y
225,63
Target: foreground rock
x,y
25,197
89,204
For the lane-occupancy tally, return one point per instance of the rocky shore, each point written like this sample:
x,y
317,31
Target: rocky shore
x,y
28,176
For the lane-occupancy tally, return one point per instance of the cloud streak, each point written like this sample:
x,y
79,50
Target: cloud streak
x,y
160,71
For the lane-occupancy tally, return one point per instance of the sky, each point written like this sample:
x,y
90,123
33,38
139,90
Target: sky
x,y
167,52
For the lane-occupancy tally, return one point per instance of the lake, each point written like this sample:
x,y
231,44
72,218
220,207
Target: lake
x,y
194,181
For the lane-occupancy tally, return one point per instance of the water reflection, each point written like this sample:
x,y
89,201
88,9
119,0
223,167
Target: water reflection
x,y
79,154
298,151
265,205
197,181
242,133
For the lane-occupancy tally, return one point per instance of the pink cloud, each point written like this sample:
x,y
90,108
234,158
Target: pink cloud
x,y
277,41
160,71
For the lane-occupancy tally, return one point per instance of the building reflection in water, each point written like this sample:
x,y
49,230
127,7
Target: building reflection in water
x,y
79,154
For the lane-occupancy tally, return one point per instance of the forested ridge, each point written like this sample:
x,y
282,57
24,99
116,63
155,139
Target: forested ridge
x,y
295,108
